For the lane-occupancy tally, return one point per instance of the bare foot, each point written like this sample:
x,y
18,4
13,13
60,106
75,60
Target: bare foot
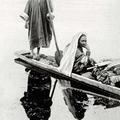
x,y
29,56
36,57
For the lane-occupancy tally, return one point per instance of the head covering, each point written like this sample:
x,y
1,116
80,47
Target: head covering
x,y
67,61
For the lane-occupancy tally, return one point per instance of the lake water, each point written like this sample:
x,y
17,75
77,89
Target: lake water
x,y
98,18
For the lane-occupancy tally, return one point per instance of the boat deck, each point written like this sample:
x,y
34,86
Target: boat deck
x,y
48,65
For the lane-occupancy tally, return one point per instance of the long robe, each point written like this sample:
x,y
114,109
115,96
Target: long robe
x,y
39,31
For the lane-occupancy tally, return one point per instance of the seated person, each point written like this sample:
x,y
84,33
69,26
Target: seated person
x,y
74,58
82,60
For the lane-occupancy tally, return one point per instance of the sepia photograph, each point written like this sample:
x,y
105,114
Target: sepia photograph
x,y
60,60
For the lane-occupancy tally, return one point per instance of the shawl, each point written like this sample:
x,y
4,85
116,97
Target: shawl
x,y
67,61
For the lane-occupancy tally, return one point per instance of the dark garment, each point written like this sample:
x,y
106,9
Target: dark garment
x,y
79,67
74,100
39,31
36,100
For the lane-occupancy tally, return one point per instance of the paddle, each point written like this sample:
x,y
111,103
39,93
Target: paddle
x,y
101,64
53,90
58,53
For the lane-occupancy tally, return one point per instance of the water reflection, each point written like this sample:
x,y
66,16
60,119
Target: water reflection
x,y
76,102
36,100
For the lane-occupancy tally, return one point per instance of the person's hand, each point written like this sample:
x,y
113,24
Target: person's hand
x,y
50,16
24,16
88,53
84,60
26,24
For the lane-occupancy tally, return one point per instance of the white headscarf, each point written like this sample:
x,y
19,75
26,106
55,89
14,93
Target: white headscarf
x,y
66,64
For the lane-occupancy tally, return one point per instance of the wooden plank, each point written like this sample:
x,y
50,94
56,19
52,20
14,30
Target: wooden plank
x,y
80,81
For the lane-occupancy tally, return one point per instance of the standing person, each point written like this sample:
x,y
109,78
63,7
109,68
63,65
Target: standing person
x,y
36,100
37,22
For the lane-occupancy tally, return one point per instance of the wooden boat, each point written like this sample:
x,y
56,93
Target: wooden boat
x,y
87,85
